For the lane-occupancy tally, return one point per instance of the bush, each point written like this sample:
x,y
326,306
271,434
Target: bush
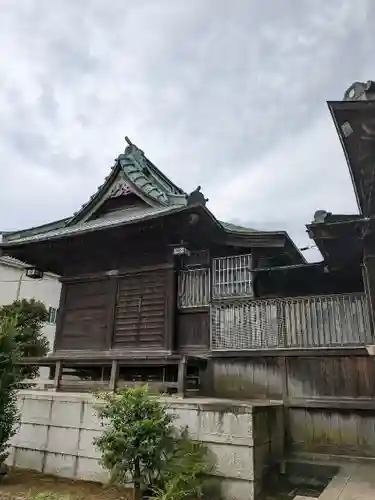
x,y
10,377
30,315
141,445
138,437
184,471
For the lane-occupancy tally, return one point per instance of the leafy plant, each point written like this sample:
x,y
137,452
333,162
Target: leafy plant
x,y
10,377
30,315
184,471
138,437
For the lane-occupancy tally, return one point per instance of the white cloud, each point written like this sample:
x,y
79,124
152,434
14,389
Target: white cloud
x,y
229,98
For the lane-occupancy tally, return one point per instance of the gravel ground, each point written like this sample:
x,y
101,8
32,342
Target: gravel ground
x,y
21,484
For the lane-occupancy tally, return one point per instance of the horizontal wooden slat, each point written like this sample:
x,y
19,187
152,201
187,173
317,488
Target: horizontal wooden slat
x,y
140,310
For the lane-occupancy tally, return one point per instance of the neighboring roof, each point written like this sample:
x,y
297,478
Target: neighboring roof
x,y
354,119
338,237
5,260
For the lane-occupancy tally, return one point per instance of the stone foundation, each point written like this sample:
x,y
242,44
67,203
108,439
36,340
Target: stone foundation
x,y
57,431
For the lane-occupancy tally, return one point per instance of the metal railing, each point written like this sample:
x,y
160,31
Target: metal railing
x,y
231,277
303,322
194,288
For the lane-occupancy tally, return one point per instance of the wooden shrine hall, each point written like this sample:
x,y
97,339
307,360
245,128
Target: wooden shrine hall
x,y
140,264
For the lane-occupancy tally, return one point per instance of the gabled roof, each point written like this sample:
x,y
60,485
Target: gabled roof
x,y
134,174
19,264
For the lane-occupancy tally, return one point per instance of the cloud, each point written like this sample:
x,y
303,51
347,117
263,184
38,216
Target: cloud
x,y
232,98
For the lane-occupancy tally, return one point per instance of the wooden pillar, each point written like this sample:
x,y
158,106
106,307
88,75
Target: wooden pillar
x,y
114,375
111,311
58,375
60,318
170,310
181,377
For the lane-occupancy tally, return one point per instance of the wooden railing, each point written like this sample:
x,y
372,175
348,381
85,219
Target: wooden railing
x,y
79,375
303,322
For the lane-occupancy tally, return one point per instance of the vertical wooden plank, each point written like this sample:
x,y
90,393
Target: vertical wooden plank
x,y
170,310
58,375
60,317
283,367
181,377
367,273
114,375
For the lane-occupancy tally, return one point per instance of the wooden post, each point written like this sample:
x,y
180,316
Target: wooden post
x,y
181,377
58,375
111,310
114,375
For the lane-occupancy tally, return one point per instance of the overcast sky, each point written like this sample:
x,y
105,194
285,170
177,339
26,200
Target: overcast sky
x,y
230,95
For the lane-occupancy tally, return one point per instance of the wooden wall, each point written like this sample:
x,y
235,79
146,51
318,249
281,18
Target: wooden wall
x,y
329,399
130,311
83,322
141,315
193,330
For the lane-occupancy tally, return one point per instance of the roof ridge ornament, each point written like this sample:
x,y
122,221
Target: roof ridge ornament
x,y
196,197
360,91
132,149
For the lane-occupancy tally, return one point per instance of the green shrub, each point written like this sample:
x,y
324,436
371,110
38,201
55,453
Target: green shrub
x,y
140,445
137,439
30,316
10,377
184,471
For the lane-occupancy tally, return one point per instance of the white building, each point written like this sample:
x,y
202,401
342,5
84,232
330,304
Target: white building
x,y
15,284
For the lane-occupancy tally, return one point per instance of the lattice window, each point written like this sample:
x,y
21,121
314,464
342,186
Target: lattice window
x,y
232,277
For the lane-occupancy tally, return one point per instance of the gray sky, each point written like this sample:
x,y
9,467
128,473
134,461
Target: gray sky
x,y
229,95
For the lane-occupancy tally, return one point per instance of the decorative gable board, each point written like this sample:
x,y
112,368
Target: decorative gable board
x,y
116,187
120,203
120,188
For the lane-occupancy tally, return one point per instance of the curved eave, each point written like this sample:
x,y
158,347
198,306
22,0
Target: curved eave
x,y
44,228
256,236
106,224
357,148
96,197
339,239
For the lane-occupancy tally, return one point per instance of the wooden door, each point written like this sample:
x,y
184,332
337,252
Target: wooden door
x,y
141,314
84,321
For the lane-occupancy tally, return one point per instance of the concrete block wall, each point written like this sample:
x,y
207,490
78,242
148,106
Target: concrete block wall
x,y
57,431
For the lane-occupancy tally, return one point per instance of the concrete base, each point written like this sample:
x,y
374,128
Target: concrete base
x,y
57,431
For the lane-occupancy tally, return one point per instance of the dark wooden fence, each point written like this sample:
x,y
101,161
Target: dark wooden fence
x,y
329,396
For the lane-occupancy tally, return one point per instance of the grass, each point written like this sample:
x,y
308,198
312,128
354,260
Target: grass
x,y
23,484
